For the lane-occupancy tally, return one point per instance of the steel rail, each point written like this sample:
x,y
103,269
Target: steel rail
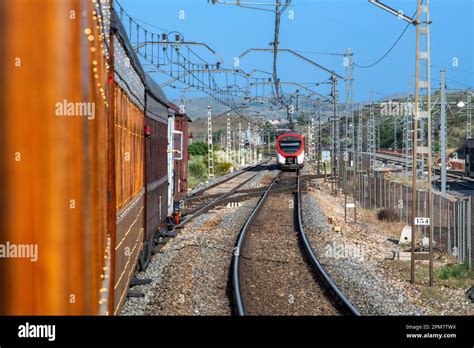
x,y
248,193
217,200
348,307
399,160
230,177
243,231
238,302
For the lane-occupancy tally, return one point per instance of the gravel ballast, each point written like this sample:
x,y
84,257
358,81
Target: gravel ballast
x,y
190,274
359,259
274,277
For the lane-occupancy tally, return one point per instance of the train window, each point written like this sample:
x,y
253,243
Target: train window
x,y
177,145
290,145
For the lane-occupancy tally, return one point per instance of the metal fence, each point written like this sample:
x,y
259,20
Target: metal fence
x,y
451,216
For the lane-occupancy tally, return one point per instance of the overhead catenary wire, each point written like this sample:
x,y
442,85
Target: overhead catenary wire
x,y
386,53
390,49
179,60
176,60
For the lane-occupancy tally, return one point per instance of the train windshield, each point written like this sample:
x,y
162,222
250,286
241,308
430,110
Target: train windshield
x,y
290,145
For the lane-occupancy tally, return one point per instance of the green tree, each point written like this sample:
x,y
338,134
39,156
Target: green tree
x,y
223,168
197,168
198,148
216,136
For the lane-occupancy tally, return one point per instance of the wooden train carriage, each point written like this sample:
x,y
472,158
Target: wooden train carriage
x,y
129,117
156,165
53,229
180,159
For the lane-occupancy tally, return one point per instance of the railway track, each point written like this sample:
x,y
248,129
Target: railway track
x,y
275,270
222,192
218,183
467,185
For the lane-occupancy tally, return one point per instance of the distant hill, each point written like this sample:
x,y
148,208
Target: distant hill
x,y
456,117
197,107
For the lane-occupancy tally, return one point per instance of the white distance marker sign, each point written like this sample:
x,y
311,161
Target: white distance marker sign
x,y
422,221
326,156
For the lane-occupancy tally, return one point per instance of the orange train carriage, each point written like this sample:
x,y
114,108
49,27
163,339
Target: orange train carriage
x,y
85,162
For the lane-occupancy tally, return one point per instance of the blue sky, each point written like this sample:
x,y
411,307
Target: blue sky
x,y
326,26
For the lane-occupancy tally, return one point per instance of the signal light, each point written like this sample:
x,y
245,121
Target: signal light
x,y
147,131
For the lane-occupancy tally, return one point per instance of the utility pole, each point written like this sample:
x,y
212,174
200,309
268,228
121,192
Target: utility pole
x,y
372,136
359,163
377,144
310,142
422,146
255,144
249,149
469,115
359,141
369,146
421,135
210,149
349,133
313,140
442,134
395,142
233,151
241,145
228,143
275,48
268,142
409,133
335,138
318,158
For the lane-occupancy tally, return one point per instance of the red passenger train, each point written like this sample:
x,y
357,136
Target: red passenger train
x,y
290,151
86,188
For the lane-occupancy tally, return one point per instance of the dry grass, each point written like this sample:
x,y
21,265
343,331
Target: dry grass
x,y
450,280
334,206
408,181
211,224
267,179
388,215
